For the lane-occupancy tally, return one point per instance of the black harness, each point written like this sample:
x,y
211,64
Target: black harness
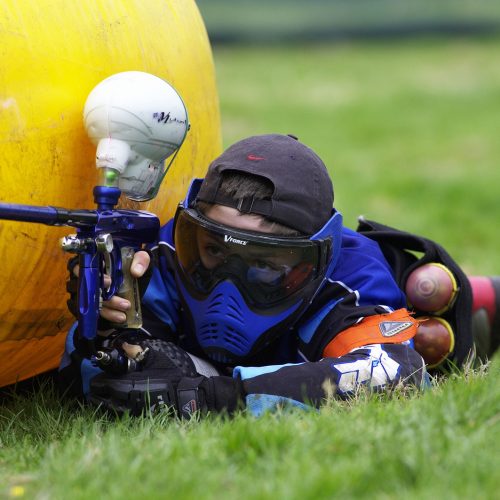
x,y
399,249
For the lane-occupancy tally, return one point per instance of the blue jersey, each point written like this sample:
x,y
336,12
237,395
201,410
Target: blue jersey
x,y
362,284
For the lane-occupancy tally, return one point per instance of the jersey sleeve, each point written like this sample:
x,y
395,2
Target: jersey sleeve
x,y
361,285
309,385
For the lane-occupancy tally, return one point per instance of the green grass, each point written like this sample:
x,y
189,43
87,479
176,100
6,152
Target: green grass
x,y
410,134
442,443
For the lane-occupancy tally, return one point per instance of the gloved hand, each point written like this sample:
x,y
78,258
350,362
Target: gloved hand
x,y
167,379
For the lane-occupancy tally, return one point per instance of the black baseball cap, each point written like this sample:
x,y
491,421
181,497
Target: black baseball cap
x,y
302,198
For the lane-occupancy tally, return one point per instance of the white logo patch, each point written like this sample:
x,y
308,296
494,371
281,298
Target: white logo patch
x,y
390,328
377,370
230,239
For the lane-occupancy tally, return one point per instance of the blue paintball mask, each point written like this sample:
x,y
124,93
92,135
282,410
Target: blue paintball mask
x,y
241,289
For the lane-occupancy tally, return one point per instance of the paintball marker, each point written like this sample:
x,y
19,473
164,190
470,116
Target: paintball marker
x,y
137,120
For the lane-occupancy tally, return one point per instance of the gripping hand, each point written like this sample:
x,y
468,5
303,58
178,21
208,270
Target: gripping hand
x,y
167,380
113,311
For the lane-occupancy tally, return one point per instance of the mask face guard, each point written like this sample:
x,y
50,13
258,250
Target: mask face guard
x,y
268,269
226,329
256,326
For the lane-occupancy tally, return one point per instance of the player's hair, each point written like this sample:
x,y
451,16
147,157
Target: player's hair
x,y
238,185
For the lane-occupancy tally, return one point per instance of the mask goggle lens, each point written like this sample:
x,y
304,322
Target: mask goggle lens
x,y
266,269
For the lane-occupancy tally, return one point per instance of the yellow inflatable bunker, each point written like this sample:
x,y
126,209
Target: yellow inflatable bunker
x,y
52,55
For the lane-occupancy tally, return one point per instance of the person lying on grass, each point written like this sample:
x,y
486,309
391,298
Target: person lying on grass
x,y
255,295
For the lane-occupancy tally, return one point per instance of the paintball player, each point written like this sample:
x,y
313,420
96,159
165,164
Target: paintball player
x,y
257,296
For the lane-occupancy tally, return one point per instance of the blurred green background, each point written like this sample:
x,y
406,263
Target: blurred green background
x,y
400,99
264,21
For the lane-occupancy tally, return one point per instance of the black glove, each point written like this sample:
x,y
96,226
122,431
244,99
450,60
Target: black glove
x,y
167,379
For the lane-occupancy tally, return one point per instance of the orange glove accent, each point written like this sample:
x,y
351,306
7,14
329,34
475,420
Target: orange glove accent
x,y
390,328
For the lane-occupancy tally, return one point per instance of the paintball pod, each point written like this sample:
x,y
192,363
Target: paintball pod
x,y
137,120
